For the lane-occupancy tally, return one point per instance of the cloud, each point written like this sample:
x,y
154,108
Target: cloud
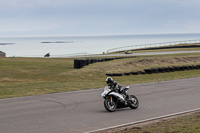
x,y
187,26
192,25
24,25
97,16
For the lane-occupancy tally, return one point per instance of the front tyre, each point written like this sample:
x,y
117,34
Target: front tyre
x,y
133,103
110,105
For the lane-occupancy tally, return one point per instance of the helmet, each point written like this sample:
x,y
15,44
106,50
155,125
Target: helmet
x,y
109,80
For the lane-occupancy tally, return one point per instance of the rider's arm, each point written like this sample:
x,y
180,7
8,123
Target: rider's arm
x,y
115,85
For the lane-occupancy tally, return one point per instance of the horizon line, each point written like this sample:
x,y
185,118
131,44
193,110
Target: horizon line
x,y
92,35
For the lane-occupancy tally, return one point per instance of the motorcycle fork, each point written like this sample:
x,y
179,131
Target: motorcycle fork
x,y
111,99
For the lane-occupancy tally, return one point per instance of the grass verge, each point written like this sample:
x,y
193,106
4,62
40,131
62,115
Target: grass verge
x,y
35,76
181,124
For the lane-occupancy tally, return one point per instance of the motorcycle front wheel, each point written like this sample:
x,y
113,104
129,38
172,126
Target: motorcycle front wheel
x,y
110,105
133,103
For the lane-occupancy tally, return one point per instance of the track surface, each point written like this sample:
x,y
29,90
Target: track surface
x,y
83,111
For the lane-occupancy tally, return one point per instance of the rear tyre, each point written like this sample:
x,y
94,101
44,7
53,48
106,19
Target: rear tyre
x,y
110,106
133,103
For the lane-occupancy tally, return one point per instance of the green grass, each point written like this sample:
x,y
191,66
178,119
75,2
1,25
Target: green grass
x,y
139,63
184,124
35,76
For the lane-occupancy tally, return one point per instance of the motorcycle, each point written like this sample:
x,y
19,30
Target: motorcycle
x,y
114,100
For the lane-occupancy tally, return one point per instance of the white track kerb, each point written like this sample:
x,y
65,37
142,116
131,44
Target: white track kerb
x,y
143,121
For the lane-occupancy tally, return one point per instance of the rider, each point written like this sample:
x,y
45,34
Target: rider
x,y
115,86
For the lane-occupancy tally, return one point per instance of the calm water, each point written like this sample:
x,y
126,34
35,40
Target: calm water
x,y
65,45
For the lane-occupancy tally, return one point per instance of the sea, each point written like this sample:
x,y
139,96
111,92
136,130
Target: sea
x,y
64,46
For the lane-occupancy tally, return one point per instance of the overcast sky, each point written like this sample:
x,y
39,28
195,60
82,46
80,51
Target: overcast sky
x,y
75,17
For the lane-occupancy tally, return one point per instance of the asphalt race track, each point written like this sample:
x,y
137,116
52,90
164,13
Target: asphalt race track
x,y
83,111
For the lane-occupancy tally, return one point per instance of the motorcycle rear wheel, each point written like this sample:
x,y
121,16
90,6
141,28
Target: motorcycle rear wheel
x,y
134,102
110,105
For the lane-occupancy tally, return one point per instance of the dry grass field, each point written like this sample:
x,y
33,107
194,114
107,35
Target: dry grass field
x,y
35,76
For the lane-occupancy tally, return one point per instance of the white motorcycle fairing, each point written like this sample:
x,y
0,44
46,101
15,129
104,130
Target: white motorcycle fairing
x,y
117,95
107,90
